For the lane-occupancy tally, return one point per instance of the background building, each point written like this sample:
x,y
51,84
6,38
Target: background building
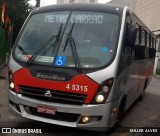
x,y
122,3
149,12
76,1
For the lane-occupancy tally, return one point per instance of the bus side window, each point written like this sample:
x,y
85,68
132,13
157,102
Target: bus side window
x,y
143,41
129,41
140,49
152,42
138,42
155,44
148,41
131,33
152,50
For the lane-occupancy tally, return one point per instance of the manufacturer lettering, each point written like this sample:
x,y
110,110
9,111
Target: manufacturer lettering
x,y
50,77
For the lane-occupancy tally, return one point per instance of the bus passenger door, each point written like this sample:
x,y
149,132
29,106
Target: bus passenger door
x,y
130,69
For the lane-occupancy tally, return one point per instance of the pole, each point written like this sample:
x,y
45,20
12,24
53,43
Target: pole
x,y
38,3
157,56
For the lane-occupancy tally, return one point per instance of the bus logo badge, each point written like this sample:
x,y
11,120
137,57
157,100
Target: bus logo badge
x,y
48,94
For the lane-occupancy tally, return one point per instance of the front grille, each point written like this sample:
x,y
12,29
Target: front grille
x,y
69,117
56,96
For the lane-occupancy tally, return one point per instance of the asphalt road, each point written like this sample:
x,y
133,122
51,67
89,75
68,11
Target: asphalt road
x,y
141,114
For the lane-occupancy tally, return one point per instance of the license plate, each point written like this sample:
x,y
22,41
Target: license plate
x,y
46,110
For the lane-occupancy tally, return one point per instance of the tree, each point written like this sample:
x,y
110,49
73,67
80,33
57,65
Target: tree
x,y
18,11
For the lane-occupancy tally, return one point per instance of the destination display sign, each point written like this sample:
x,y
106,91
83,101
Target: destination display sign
x,y
86,19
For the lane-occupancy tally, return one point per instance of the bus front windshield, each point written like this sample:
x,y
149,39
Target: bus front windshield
x,y
87,37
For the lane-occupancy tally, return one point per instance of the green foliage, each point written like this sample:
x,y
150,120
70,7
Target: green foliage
x,y
17,10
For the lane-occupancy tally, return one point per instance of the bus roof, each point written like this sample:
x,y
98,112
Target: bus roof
x,y
81,6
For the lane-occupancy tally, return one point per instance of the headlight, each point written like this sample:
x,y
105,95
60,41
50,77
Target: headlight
x,y
11,85
99,98
103,92
10,79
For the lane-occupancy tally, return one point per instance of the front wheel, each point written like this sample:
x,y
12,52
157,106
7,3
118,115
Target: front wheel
x,y
122,108
142,95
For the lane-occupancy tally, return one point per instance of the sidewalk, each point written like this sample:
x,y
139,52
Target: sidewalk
x,y
157,76
3,72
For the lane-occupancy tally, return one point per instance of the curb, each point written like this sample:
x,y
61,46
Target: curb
x,y
157,76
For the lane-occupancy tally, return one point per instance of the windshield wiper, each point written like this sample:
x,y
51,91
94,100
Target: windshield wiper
x,y
71,41
69,36
58,36
21,49
53,37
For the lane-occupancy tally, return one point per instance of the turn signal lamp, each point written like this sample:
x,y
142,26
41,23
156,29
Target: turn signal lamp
x,y
110,82
114,110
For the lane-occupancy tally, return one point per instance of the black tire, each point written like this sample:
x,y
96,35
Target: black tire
x,y
122,108
140,98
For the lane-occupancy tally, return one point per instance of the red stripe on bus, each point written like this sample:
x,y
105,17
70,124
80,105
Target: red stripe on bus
x,y
23,77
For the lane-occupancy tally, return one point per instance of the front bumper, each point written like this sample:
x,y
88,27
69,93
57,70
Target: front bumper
x,y
18,104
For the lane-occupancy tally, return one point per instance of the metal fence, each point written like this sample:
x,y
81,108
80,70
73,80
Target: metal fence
x,y
4,45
